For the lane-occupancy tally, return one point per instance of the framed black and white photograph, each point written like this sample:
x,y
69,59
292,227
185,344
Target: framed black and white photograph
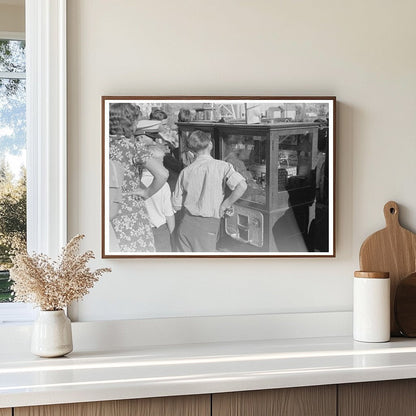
x,y
218,176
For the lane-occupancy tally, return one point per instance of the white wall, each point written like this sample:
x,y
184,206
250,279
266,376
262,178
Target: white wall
x,y
363,52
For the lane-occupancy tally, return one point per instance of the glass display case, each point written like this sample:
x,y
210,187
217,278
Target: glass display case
x,y
278,162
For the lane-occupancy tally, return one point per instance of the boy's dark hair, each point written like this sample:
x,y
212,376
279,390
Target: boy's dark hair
x,y
158,114
184,115
198,140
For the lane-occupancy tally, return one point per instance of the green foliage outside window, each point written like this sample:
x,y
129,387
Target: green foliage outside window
x,y
12,223
12,147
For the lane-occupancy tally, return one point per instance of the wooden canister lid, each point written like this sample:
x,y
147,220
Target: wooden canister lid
x,y
372,275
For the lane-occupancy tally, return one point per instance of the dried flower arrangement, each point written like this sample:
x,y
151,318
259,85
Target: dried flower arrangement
x,y
53,285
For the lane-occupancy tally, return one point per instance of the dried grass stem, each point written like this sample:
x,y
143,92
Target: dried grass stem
x,y
53,285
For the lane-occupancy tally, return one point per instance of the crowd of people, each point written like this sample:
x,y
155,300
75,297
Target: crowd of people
x,y
165,200
158,200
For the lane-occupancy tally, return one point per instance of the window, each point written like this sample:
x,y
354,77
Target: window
x,y
12,166
45,134
12,154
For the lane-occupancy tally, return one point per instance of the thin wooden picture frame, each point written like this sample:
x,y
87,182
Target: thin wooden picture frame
x,y
283,147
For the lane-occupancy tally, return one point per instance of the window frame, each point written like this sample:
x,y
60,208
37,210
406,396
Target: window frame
x,y
46,138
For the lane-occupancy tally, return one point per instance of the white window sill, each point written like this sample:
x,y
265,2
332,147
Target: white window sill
x,y
16,313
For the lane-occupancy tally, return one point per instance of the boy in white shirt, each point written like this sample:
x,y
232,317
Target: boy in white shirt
x,y
200,194
161,214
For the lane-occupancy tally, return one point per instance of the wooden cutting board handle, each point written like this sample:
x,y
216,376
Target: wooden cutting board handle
x,y
393,250
391,214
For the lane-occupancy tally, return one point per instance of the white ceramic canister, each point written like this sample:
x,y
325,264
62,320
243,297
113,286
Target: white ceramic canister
x,y
371,310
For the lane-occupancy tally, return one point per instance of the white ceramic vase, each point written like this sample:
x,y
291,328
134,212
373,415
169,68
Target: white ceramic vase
x,y
52,334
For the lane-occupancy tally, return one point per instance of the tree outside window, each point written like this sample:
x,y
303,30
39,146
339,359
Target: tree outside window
x,y
12,156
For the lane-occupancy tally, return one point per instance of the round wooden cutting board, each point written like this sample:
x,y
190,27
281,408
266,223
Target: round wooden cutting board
x,y
405,306
392,250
